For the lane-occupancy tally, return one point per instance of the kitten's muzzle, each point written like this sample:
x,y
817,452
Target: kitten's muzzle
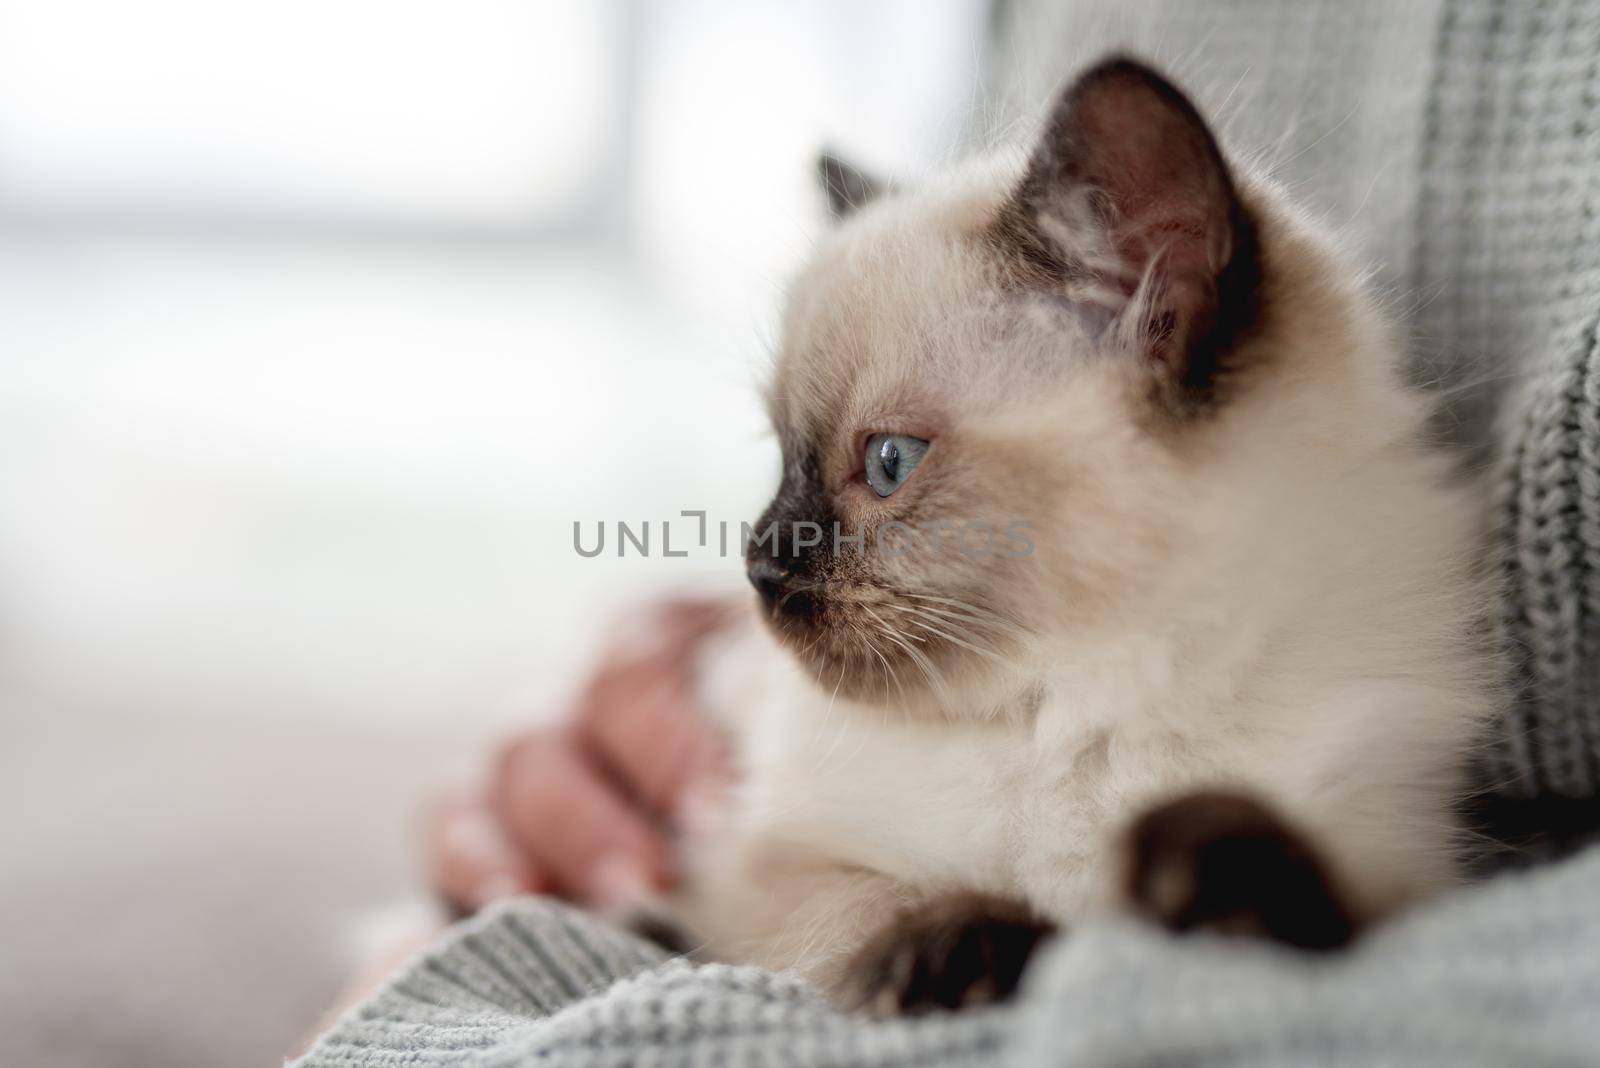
x,y
782,592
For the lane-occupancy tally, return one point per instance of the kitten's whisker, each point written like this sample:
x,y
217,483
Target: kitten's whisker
x,y
838,735
967,605
899,686
867,636
957,619
947,636
920,659
943,625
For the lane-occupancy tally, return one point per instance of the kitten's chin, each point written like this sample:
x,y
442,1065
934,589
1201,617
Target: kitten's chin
x,y
861,670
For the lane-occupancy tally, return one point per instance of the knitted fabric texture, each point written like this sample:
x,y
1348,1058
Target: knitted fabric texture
x,y
1506,974
1509,253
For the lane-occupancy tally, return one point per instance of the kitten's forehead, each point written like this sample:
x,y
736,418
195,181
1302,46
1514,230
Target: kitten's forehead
x,y
892,314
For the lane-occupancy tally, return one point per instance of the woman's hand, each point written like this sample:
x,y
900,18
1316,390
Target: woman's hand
x,y
584,809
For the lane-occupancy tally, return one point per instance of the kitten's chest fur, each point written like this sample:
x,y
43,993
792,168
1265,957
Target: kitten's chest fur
x,y
1014,808
855,812
923,804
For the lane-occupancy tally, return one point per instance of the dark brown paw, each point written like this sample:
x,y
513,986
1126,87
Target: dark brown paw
x,y
951,954
1224,862
659,926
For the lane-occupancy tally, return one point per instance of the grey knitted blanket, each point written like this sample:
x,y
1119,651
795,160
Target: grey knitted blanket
x,y
1457,142
1507,974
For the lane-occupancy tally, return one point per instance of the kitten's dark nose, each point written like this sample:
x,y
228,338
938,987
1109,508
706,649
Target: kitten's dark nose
x,y
779,589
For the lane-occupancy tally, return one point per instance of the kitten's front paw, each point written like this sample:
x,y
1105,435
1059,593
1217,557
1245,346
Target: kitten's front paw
x,y
1225,862
950,954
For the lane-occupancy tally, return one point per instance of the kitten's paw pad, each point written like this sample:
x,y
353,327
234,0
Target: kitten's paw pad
x,y
954,955
1225,862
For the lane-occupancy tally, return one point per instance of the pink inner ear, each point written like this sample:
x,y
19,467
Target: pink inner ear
x,y
1159,171
1164,191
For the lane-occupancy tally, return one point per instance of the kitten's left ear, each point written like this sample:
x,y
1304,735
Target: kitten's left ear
x,y
848,186
1126,187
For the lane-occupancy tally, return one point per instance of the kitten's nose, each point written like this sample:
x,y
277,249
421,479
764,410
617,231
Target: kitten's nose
x,y
778,588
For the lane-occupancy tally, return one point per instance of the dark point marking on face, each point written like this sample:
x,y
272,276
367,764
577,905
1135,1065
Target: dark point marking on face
x,y
786,572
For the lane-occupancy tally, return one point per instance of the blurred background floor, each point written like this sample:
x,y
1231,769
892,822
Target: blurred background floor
x,y
191,893
287,541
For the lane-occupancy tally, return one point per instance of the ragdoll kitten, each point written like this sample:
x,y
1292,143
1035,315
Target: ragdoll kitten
x,y
1218,664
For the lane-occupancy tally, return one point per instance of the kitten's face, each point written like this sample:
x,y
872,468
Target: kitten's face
x,y
978,380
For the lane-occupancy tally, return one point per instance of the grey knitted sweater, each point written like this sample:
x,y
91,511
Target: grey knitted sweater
x,y
1505,975
1457,142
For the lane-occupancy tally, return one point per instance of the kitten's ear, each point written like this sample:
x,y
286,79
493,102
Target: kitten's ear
x,y
848,186
1126,194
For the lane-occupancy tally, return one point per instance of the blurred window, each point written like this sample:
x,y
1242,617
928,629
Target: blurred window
x,y
466,113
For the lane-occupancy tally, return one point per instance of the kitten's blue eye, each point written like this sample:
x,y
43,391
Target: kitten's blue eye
x,y
890,460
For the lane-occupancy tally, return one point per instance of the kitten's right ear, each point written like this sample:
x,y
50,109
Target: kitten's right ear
x,y
1128,194
848,187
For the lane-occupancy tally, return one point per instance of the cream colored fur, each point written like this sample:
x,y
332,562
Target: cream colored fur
x,y
1277,595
